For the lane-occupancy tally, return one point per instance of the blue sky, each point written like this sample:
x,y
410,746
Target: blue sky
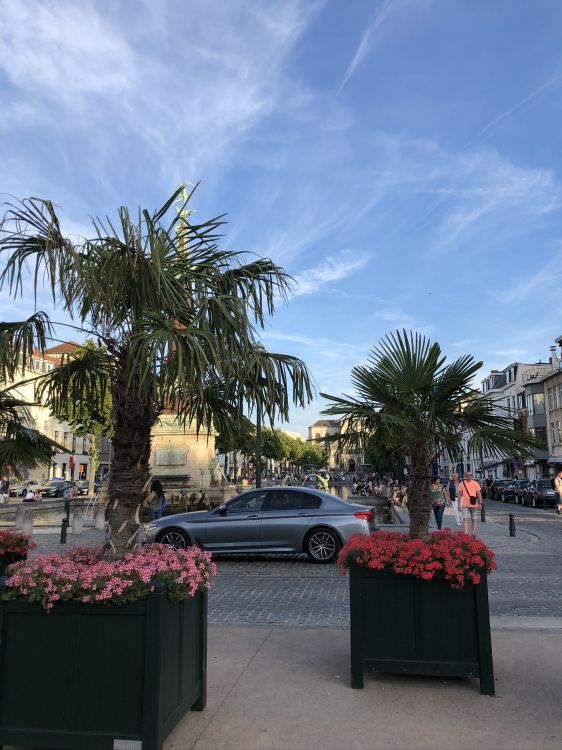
x,y
400,158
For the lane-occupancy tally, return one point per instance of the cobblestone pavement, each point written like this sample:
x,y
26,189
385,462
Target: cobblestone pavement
x,y
290,591
266,590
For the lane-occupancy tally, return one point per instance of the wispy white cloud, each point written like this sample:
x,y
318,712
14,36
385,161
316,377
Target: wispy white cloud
x,y
546,88
510,352
368,39
465,343
395,317
332,268
544,283
190,85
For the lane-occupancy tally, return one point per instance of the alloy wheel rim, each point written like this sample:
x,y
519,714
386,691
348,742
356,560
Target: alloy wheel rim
x,y
173,539
322,545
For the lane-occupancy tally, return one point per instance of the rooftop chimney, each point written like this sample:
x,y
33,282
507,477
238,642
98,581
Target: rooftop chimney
x,y
553,358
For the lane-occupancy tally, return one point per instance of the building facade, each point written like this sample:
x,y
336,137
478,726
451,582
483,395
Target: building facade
x,y
74,462
349,459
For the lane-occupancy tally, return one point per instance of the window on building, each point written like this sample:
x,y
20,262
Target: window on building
x,y
535,403
57,436
556,398
559,431
553,430
66,439
540,434
74,443
84,445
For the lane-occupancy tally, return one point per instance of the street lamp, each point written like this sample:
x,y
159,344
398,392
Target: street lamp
x,y
258,447
260,349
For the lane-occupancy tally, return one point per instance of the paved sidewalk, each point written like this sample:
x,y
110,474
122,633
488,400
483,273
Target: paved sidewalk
x,y
48,543
287,689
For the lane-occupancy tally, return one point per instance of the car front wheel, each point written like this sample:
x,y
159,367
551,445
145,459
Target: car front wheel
x,y
322,546
174,538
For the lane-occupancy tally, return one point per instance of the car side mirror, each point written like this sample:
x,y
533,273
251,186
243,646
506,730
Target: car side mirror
x,y
223,510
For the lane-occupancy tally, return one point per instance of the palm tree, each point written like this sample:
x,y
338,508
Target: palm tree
x,y
175,317
410,401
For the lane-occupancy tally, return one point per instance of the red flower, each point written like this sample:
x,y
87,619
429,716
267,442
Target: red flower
x,y
457,558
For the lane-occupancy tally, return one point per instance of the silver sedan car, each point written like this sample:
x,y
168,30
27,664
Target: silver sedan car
x,y
271,519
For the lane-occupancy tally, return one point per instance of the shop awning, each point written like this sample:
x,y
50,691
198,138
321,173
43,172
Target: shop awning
x,y
492,464
555,459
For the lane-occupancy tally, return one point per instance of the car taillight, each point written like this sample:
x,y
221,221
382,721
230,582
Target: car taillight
x,y
364,515
538,492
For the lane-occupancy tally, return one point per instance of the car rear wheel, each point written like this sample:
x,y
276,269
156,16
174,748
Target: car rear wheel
x,y
174,538
322,545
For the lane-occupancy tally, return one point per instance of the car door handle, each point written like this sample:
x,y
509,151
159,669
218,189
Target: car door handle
x,y
303,515
253,518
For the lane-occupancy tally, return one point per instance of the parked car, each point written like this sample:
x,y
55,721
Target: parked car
x,y
55,488
84,486
270,519
513,493
539,492
499,487
20,490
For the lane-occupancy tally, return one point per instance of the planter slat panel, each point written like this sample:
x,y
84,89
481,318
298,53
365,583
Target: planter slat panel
x,y
445,623
395,628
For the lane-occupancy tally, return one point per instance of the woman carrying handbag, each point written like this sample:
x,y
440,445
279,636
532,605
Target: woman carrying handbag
x,y
439,499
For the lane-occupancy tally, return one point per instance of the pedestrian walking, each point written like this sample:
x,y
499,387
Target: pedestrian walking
x,y
489,484
558,490
4,489
439,499
470,500
156,501
454,497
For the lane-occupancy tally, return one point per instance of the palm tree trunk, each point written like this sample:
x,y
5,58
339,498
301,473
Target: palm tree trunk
x,y
419,496
133,416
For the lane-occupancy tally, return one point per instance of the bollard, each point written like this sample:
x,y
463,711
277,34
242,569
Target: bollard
x,y
27,526
482,513
20,514
77,520
99,522
63,529
511,524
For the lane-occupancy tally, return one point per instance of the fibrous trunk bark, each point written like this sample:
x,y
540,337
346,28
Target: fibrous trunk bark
x,y
419,496
133,415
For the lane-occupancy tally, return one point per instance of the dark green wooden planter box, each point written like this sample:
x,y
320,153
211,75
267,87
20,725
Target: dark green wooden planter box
x,y
100,677
405,625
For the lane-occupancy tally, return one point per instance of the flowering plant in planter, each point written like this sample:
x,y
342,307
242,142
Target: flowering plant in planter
x,y
12,543
82,576
457,558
